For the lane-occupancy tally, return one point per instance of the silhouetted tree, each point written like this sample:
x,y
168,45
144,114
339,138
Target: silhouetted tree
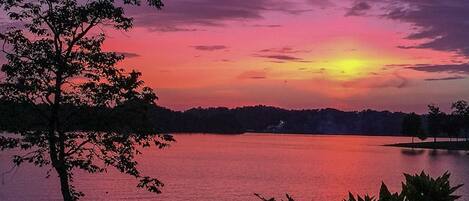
x,y
54,66
412,126
435,121
461,115
450,126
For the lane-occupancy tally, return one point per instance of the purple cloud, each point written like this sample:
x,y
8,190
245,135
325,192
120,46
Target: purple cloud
x,y
359,8
184,14
257,75
448,68
267,25
209,47
283,50
446,78
321,3
397,81
281,57
128,54
443,23
169,28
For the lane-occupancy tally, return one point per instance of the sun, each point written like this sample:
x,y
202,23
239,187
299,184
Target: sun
x,y
347,60
349,68
357,66
341,62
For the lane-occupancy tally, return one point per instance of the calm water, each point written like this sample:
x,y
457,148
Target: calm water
x,y
225,168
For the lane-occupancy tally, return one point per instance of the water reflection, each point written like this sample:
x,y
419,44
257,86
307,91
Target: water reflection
x,y
431,152
412,152
226,168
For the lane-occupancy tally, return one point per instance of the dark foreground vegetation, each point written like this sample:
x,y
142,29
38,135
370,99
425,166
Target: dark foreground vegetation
x,y
419,187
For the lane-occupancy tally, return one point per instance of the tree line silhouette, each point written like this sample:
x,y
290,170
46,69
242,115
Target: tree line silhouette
x,y
212,120
437,123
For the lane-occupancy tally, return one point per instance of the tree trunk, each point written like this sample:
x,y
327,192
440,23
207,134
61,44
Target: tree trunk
x,y
56,143
60,169
64,183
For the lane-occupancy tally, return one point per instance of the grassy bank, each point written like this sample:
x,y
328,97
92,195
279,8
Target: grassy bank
x,y
446,145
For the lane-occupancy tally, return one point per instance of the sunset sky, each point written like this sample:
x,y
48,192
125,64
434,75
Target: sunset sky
x,y
397,55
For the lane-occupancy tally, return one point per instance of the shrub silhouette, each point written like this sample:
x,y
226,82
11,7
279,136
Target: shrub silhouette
x,y
289,198
424,188
365,198
418,187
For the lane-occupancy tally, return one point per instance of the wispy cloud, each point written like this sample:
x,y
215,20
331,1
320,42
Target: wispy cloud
x,y
208,13
358,8
267,25
128,54
253,75
209,47
281,57
321,3
283,50
446,78
447,68
169,28
396,81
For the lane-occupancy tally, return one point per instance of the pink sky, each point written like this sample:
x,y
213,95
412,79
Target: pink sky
x,y
348,55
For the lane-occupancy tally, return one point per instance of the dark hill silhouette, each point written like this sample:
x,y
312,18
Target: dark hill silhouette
x,y
217,120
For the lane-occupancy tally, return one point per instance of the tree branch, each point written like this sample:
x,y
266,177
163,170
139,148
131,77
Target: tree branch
x,y
73,151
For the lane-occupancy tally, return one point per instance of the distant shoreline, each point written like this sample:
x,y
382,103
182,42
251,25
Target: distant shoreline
x,y
288,133
444,145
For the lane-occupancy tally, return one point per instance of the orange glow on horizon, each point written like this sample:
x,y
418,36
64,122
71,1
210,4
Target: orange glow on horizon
x,y
309,60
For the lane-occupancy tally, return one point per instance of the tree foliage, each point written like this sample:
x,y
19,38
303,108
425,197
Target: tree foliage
x,y
55,65
435,121
461,116
412,126
452,124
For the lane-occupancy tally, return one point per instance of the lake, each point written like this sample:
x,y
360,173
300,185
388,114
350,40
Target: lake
x,y
225,168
